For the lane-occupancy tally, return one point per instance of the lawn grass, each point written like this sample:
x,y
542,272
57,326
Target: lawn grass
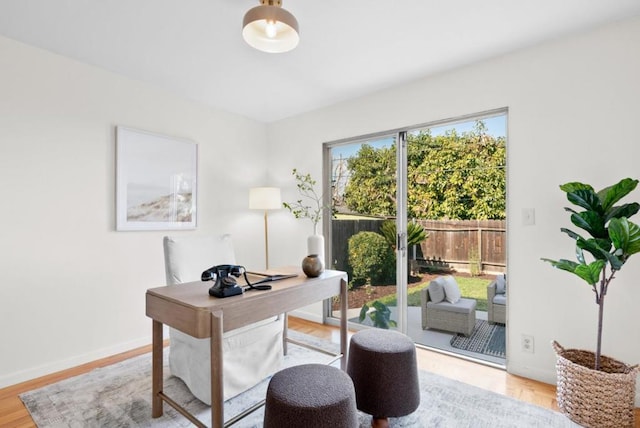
x,y
470,287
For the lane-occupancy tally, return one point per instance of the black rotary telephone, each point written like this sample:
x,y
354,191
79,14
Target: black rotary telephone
x,y
225,285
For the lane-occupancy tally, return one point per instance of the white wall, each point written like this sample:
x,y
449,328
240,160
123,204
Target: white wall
x,y
73,288
573,115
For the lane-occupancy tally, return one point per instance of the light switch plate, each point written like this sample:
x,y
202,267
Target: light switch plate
x,y
528,216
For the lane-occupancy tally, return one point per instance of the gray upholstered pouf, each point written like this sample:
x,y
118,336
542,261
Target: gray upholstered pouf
x,y
310,396
383,367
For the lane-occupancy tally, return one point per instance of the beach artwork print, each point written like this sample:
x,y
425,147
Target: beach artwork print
x,y
156,181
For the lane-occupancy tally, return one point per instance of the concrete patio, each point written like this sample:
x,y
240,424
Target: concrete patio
x,y
438,340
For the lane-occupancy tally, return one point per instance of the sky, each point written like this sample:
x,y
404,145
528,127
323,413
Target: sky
x,y
496,126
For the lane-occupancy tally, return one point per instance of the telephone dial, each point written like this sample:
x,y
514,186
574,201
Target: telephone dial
x,y
225,284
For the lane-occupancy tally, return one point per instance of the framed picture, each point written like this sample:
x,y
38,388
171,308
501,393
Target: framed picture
x,y
156,181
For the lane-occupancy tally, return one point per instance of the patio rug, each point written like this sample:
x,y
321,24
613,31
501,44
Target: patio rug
x,y
488,339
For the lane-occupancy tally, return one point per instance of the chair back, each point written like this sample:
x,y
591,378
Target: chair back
x,y
186,257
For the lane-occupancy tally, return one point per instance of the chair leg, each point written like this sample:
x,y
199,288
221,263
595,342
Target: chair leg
x,y
284,333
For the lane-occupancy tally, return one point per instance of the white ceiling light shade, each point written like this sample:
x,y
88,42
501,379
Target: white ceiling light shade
x,y
270,28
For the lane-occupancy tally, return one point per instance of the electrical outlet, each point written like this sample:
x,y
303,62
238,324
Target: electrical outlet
x,y
527,343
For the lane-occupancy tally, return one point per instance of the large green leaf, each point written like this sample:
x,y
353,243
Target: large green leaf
x,y
590,221
564,264
625,236
380,316
569,232
626,210
571,210
575,185
634,238
612,194
593,245
619,233
363,312
589,273
615,261
586,199
598,248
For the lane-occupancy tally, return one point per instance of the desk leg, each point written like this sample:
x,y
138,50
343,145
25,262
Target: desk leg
x,y
156,373
344,304
217,401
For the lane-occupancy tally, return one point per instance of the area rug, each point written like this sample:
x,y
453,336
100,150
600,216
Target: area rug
x,y
488,339
120,396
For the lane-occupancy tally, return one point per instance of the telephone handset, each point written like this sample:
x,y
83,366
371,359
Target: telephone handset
x,y
225,285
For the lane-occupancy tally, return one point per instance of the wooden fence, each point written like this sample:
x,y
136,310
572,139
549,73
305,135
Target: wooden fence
x,y
465,245
341,231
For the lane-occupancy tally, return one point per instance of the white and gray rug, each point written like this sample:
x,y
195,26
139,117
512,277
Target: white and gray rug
x,y
120,396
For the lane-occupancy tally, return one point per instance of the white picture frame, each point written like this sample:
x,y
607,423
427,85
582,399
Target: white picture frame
x,y
156,181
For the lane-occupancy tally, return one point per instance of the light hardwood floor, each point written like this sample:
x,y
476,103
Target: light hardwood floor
x,y
14,414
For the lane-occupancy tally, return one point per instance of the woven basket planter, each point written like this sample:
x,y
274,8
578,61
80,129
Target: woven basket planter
x,y
595,398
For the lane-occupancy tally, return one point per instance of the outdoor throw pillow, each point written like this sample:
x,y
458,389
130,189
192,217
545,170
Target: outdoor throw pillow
x,y
501,284
451,290
436,291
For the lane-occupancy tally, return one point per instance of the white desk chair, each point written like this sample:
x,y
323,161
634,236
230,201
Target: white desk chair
x,y
250,353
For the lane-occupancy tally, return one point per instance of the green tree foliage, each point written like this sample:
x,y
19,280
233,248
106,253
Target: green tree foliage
x,y
372,185
452,176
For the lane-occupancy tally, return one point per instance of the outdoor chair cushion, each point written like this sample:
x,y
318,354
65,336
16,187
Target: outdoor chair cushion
x,y
462,306
501,284
451,289
500,299
436,291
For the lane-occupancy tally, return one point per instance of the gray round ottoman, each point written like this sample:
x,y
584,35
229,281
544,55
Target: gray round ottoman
x,y
382,365
310,396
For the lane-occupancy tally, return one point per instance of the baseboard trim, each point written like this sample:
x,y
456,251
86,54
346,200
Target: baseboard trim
x,y
56,366
541,375
307,316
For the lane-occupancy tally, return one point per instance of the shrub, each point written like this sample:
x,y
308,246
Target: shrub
x,y
371,259
475,265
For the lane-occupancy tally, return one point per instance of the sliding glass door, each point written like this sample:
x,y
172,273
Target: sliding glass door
x,y
414,205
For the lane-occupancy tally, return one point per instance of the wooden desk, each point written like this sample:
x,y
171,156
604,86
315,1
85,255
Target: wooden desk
x,y
189,308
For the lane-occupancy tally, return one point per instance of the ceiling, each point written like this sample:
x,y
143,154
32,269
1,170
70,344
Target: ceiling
x,y
348,48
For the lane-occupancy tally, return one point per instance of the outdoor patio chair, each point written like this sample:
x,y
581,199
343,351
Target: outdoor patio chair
x,y
497,300
444,309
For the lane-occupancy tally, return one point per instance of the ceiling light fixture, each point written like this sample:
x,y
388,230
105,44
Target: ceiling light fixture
x,y
270,28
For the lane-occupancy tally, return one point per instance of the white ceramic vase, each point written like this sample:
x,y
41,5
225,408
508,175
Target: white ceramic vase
x,y
315,245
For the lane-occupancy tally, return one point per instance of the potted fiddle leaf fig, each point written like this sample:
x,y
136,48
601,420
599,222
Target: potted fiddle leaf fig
x,y
595,390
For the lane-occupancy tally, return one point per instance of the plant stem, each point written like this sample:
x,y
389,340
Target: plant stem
x,y
604,285
599,342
